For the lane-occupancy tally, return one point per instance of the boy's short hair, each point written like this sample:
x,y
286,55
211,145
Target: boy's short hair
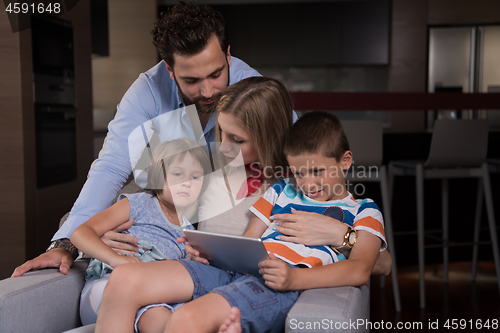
x,y
172,151
317,132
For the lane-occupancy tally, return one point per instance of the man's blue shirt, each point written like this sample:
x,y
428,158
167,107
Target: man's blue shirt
x,y
154,93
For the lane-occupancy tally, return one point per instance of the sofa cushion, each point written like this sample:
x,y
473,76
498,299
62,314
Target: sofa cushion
x,y
83,329
35,301
330,310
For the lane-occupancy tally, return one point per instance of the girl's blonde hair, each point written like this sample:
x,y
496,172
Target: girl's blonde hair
x,y
173,151
263,107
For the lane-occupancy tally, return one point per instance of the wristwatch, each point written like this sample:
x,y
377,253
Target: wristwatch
x,y
350,237
64,245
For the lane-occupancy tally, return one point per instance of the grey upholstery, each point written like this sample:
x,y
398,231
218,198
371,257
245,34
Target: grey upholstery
x,y
330,310
48,301
42,301
325,310
83,329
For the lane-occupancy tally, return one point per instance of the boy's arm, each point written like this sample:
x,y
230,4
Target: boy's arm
x,y
87,236
383,265
255,228
354,271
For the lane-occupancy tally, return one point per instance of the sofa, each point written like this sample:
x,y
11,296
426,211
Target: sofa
x,y
48,301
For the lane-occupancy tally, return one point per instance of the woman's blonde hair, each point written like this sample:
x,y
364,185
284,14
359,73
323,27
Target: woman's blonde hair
x,y
263,107
175,151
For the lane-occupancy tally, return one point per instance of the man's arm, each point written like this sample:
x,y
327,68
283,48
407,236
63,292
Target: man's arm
x,y
58,257
106,176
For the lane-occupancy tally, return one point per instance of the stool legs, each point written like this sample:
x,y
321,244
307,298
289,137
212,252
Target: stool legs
x,y
420,231
444,197
477,228
389,235
484,192
491,219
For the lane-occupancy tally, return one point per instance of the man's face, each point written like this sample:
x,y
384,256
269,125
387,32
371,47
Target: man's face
x,y
202,77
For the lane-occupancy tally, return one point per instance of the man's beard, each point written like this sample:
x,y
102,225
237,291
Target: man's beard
x,y
200,107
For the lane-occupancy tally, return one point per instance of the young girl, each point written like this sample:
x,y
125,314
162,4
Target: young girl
x,y
176,177
254,116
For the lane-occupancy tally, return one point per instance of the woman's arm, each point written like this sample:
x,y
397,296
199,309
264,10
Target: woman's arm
x,y
87,236
310,228
316,229
354,271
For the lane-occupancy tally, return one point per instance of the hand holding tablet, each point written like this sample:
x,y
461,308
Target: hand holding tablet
x,y
231,253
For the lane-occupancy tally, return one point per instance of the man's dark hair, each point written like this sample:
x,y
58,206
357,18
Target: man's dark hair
x,y
317,132
185,30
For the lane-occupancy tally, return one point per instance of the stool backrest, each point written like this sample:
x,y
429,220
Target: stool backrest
x,y
458,143
365,141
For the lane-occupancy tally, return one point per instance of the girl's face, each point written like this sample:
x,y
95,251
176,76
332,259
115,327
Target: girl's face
x,y
183,183
236,142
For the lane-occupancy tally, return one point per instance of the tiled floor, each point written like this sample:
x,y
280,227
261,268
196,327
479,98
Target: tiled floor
x,y
470,304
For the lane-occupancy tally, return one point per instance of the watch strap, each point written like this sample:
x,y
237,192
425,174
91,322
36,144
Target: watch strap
x,y
64,245
347,236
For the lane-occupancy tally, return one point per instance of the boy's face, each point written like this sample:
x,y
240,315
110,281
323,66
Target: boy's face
x,y
320,178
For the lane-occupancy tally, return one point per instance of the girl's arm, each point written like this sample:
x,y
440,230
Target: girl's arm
x,y
354,271
87,236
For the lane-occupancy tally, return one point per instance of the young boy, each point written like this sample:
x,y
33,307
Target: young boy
x,y
318,154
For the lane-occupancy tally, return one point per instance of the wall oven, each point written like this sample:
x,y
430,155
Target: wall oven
x,y
54,98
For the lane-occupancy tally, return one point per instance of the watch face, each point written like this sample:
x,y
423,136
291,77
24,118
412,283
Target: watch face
x,y
352,237
51,246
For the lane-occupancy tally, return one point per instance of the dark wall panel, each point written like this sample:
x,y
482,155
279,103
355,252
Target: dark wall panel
x,y
310,34
365,29
100,27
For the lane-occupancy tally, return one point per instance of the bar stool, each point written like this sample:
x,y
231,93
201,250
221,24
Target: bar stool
x,y
458,150
365,141
493,167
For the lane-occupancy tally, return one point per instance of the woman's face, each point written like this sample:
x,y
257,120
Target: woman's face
x,y
236,142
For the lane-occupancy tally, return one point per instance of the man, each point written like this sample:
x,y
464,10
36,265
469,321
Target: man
x,y
193,42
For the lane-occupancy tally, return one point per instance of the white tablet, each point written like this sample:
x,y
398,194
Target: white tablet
x,y
231,253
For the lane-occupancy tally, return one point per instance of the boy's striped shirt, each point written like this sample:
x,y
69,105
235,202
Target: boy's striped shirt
x,y
282,196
